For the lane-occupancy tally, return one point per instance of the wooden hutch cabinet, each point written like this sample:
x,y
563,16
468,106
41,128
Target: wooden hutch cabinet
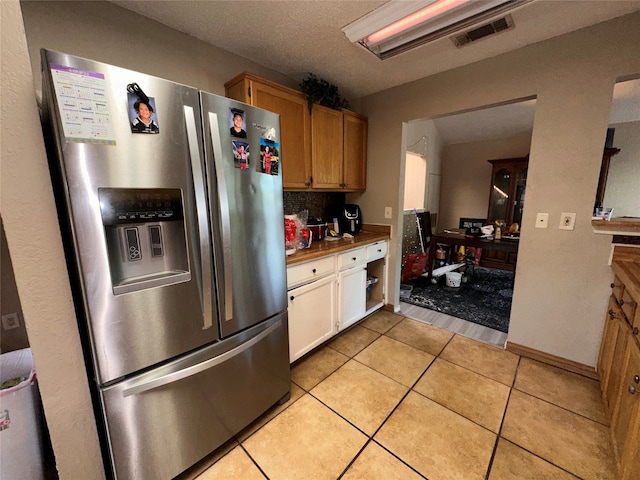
x,y
506,202
508,183
324,149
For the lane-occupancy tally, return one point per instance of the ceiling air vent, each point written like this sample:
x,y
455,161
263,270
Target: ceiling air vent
x,y
491,28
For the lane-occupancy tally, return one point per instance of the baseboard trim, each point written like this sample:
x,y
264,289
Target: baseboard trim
x,y
559,362
389,308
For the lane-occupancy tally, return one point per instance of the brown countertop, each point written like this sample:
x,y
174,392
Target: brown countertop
x,y
322,248
617,226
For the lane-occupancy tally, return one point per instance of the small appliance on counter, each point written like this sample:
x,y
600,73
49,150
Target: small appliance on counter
x,y
350,219
318,228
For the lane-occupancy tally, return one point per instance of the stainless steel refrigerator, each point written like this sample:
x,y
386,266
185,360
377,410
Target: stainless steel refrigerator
x,y
170,201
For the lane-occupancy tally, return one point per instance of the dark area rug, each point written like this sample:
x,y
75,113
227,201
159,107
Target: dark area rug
x,y
485,300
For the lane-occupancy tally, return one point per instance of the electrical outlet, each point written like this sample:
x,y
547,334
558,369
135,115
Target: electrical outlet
x,y
10,321
542,220
567,221
387,212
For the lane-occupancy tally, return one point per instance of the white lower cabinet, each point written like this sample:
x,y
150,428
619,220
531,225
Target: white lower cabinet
x,y
329,294
312,315
351,295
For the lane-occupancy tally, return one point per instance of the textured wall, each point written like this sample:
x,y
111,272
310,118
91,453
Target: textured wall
x,y
33,237
562,277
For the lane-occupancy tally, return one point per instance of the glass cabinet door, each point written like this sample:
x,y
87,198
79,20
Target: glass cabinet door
x,y
518,199
499,199
508,183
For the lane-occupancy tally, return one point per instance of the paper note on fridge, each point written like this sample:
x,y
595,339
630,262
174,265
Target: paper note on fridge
x,y
84,106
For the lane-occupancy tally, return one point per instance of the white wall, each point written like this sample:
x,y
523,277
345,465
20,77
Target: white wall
x,y
562,276
107,33
466,176
33,236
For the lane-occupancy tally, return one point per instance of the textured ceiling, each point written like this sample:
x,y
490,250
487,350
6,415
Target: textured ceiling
x,y
295,37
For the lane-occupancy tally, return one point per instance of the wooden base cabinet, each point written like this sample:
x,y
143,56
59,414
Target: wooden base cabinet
x,y
626,415
619,368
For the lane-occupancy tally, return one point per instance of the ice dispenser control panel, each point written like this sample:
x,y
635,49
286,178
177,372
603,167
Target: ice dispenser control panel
x,y
146,238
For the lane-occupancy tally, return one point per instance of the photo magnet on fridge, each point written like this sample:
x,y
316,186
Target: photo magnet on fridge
x,y
270,156
240,154
142,114
237,123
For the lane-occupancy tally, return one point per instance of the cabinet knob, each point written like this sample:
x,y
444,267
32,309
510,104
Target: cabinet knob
x,y
635,330
353,258
632,389
313,271
613,285
379,250
636,379
291,298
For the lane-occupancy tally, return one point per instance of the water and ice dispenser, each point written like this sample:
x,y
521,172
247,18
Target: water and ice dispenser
x,y
146,238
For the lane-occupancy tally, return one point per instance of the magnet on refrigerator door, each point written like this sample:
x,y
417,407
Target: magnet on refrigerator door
x,y
240,154
142,114
237,123
270,154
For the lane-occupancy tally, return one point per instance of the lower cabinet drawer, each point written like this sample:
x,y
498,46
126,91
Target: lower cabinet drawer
x,y
376,251
352,258
308,271
628,305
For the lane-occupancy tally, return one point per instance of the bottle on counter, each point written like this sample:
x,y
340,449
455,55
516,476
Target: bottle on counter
x,y
498,230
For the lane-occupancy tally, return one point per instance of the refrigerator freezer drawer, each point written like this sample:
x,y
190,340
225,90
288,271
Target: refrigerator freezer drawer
x,y
164,421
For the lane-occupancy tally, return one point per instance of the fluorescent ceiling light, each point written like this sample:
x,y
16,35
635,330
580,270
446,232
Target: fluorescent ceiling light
x,y
400,25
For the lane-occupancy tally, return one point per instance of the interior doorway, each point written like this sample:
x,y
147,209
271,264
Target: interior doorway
x,y
457,185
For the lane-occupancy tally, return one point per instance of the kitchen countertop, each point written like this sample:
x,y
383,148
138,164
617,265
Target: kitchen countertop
x,y
617,226
321,248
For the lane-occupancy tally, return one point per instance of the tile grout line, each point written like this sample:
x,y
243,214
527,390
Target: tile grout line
x,y
499,436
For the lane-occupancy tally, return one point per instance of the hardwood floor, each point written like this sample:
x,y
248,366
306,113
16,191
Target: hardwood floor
x,y
463,327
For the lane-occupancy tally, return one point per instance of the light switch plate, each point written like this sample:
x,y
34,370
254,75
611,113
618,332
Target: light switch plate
x,y
542,220
387,212
567,221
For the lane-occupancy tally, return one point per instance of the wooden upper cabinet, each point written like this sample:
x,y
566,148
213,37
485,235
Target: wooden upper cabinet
x,y
295,123
322,150
326,150
355,151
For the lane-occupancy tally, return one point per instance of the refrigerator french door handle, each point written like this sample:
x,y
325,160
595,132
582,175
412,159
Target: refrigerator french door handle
x,y
203,217
224,216
199,367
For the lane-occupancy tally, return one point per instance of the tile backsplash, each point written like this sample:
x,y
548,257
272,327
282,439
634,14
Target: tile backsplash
x,y
319,204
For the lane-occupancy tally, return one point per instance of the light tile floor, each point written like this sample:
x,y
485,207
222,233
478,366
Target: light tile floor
x,y
396,398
